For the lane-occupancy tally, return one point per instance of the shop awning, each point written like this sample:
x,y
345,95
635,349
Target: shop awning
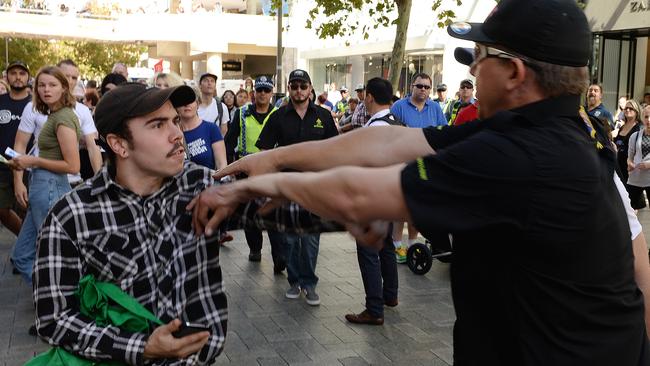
x,y
618,15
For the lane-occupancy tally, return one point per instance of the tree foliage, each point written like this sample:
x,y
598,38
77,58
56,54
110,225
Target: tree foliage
x,y
94,59
332,18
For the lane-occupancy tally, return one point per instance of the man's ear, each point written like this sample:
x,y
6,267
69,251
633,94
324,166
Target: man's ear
x,y
118,144
518,74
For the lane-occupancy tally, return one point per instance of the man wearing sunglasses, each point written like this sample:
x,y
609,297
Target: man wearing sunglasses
x,y
300,120
466,98
543,267
240,140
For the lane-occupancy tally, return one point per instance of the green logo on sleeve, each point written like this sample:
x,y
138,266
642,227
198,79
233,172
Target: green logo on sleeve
x,y
422,170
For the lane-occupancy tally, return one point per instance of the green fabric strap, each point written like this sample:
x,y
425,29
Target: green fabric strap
x,y
108,305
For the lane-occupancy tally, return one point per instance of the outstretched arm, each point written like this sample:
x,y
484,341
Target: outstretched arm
x,y
353,195
369,147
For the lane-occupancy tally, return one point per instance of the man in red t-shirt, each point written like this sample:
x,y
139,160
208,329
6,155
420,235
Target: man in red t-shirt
x,y
467,114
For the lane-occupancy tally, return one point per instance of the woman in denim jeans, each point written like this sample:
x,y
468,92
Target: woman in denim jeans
x,y
58,144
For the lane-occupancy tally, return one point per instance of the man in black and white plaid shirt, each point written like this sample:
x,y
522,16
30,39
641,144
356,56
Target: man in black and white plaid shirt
x,y
129,225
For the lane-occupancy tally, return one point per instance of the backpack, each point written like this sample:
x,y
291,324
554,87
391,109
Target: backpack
x,y
219,111
391,119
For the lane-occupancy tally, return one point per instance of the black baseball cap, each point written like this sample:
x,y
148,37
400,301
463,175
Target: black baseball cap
x,y
131,100
301,75
17,63
441,87
464,55
553,31
207,74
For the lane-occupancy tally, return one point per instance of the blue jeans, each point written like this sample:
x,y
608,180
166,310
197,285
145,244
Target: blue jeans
x,y
379,274
45,188
302,253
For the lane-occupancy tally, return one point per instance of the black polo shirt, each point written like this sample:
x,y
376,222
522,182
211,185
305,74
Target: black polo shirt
x,y
285,127
543,270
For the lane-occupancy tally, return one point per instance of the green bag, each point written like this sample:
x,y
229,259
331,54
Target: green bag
x,y
107,304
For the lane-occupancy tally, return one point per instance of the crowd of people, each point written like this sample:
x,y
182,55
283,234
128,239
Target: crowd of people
x,y
130,195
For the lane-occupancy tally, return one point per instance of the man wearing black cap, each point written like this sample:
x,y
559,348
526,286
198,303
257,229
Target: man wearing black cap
x,y
240,141
130,225
12,105
298,121
211,108
543,268
442,100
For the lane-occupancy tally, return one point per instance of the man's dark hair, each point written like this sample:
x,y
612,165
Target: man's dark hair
x,y
68,62
422,75
381,90
115,79
124,132
91,84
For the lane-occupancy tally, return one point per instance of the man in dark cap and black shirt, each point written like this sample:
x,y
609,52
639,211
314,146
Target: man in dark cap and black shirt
x,y
543,268
300,120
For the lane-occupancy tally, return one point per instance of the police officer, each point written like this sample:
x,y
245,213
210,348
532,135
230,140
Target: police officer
x,y
543,270
248,122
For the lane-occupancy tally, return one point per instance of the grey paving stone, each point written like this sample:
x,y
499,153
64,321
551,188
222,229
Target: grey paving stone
x,y
354,361
265,328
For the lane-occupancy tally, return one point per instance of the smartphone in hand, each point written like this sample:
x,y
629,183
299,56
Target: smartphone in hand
x,y
188,328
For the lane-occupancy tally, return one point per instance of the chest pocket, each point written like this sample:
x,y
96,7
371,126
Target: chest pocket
x,y
112,256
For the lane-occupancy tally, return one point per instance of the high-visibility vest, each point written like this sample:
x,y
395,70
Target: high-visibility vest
x,y
342,106
250,129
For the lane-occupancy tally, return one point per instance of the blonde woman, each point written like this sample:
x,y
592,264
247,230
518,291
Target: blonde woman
x,y
167,80
58,145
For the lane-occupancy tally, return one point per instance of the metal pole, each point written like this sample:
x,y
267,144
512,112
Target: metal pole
x,y
6,52
278,69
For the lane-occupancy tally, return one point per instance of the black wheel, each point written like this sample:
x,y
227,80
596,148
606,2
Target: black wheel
x,y
441,250
418,258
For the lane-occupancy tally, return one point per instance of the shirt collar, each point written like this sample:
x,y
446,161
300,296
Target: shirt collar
x,y
291,108
379,114
564,105
103,181
427,103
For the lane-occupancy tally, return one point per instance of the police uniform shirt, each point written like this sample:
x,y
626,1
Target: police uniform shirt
x,y
543,266
285,127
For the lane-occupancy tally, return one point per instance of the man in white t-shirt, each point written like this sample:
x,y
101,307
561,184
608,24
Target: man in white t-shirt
x,y
211,109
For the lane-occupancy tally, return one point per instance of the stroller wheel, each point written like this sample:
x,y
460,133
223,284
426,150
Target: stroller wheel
x,y
418,258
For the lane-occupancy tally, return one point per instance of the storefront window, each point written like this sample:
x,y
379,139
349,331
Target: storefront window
x,y
327,74
429,63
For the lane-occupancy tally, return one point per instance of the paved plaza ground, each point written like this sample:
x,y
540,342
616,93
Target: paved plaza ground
x,y
265,328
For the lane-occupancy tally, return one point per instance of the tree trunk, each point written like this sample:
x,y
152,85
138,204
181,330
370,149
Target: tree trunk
x,y
399,47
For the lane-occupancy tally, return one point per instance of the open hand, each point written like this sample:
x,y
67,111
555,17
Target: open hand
x,y
254,164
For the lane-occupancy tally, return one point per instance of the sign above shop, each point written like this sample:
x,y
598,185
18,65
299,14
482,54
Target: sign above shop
x,y
639,6
231,66
612,15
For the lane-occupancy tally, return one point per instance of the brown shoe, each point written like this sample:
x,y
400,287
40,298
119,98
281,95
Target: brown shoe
x,y
391,303
364,318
